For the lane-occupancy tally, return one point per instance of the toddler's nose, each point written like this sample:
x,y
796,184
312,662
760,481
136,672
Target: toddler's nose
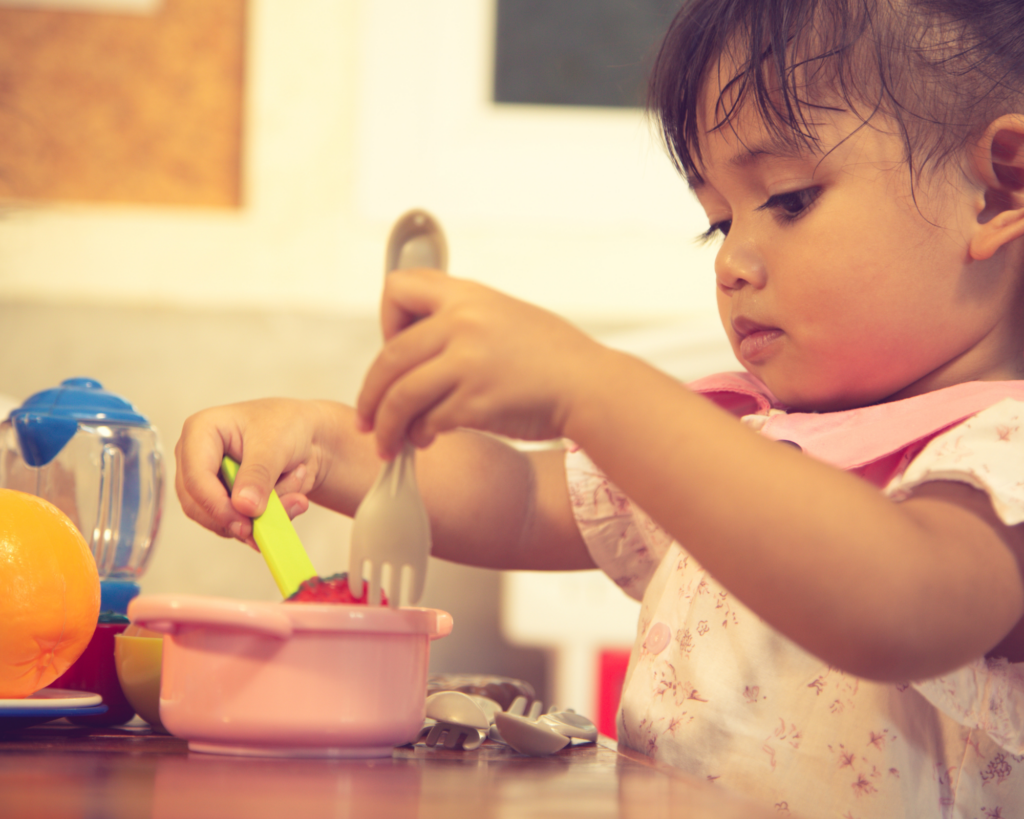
x,y
737,264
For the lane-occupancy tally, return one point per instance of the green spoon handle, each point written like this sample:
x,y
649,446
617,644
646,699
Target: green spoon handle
x,y
278,541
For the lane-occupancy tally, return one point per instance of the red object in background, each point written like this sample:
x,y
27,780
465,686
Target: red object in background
x,y
95,672
613,663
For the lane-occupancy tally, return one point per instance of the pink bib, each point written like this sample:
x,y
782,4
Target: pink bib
x,y
855,439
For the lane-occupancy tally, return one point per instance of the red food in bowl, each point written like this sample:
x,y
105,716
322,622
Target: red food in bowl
x,y
333,589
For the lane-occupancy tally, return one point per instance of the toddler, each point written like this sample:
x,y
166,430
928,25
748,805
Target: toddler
x,y
827,545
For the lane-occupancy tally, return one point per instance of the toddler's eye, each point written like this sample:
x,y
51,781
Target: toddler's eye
x,y
716,230
791,205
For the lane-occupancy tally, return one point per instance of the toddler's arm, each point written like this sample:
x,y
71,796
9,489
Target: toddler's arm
x,y
884,590
881,589
489,504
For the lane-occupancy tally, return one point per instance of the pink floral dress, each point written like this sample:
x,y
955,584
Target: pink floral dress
x,y
714,691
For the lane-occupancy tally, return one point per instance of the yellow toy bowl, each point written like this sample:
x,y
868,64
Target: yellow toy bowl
x,y
138,661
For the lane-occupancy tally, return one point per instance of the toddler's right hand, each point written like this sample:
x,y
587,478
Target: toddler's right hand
x,y
276,441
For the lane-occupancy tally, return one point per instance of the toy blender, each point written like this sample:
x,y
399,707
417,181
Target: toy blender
x,y
96,458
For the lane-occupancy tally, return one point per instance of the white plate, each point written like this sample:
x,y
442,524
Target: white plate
x,y
51,698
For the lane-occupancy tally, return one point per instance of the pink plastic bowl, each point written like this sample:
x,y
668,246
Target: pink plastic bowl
x,y
291,679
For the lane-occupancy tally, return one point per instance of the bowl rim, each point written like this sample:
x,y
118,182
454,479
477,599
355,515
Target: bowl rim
x,y
167,613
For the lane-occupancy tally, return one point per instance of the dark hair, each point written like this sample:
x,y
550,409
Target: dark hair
x,y
940,69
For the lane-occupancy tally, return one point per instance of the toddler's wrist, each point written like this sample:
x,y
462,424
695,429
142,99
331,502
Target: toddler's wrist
x,y
598,385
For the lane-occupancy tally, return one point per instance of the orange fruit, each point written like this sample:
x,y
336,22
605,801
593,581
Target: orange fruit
x,y
49,593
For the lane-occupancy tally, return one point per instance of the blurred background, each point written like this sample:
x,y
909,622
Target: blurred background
x,y
195,197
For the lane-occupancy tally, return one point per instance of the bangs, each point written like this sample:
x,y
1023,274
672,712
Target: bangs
x,y
934,75
791,60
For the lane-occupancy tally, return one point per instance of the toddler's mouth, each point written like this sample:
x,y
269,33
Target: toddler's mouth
x,y
755,340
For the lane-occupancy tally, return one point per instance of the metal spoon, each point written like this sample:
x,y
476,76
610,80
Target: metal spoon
x,y
539,734
529,736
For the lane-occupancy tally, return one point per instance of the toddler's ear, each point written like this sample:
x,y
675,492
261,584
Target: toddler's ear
x,y
998,159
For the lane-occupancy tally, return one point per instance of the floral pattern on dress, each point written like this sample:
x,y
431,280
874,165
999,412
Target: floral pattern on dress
x,y
729,699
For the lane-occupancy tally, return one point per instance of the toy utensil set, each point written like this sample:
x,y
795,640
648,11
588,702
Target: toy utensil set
x,y
463,721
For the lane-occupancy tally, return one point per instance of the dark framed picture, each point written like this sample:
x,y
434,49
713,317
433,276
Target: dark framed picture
x,y
577,52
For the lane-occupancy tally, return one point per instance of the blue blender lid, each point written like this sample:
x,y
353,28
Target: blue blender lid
x,y
49,419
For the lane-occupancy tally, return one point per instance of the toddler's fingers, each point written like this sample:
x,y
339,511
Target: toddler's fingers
x,y
204,499
197,482
294,504
410,399
441,417
291,481
410,295
403,353
260,468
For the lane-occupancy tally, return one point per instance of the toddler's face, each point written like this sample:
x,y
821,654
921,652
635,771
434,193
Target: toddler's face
x,y
835,286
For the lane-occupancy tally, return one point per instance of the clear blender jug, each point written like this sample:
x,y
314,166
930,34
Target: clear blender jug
x,y
93,456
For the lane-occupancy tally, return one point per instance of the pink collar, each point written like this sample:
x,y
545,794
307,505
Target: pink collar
x,y
853,438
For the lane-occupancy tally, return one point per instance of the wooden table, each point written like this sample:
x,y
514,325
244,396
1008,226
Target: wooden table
x,y
58,771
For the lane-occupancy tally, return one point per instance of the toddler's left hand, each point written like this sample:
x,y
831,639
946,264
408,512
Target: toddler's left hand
x,y
458,354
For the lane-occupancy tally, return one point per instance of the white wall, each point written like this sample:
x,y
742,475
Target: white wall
x,y
358,110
